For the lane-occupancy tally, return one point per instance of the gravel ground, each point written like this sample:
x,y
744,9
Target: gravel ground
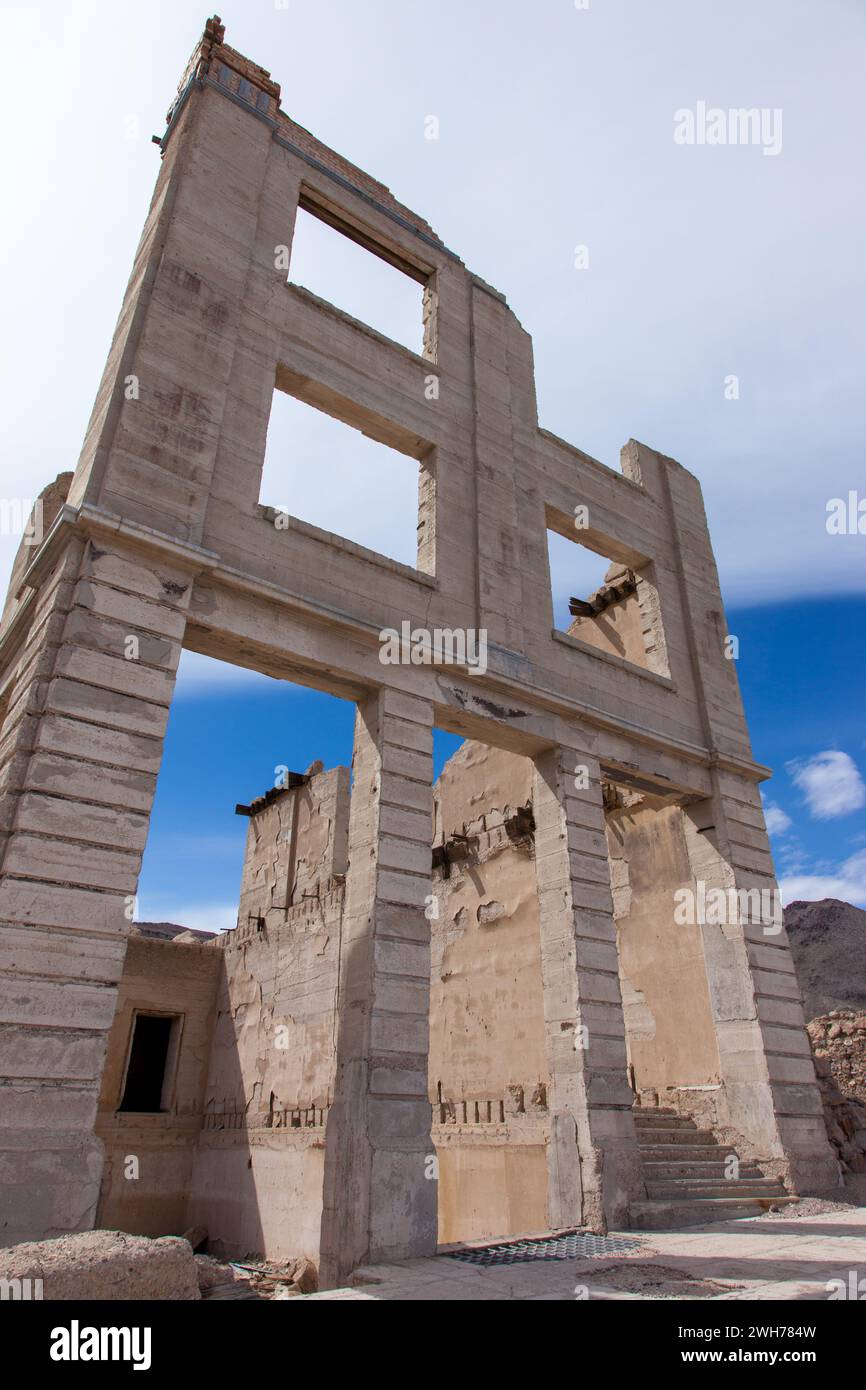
x,y
810,1206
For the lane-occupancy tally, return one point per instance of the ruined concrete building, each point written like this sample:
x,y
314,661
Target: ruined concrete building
x,y
479,984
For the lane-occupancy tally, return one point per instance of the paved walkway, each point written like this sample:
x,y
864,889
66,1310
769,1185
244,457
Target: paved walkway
x,y
758,1258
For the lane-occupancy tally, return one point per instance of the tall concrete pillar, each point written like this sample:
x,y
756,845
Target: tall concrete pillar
x,y
592,1155
89,689
380,1186
769,1089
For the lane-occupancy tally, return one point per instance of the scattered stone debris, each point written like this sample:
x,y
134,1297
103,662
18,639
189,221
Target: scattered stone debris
x,y
839,1045
839,1037
255,1278
219,1280
810,1206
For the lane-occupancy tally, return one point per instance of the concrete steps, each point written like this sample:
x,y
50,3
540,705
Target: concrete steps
x,y
694,1169
675,1138
670,1215
684,1175
685,1155
707,1187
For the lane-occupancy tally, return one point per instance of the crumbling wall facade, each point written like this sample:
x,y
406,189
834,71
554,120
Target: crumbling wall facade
x,y
147,1174
163,537
489,1075
258,1178
256,1185
670,1034
297,844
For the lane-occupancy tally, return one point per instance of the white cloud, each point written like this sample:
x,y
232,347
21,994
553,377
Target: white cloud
x,y
691,267
215,917
203,675
831,783
847,882
776,820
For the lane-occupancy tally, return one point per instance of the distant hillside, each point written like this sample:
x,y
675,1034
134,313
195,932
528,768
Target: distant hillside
x,y
828,943
167,931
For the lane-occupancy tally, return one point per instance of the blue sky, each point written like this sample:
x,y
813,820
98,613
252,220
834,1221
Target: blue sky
x,y
555,130
195,851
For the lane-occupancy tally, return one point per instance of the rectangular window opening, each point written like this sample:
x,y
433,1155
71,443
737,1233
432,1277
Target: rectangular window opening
x,y
328,473
365,280
146,1071
605,603
193,868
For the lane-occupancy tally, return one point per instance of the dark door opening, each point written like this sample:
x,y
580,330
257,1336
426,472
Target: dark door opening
x,y
145,1074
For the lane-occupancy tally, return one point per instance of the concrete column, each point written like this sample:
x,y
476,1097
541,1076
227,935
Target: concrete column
x,y
593,1164
770,1092
380,1195
80,748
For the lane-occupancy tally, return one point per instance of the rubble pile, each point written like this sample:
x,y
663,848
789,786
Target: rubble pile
x,y
255,1278
839,1045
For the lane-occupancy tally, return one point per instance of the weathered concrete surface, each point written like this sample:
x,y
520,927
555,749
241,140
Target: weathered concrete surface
x,y
627,622
380,1192
486,1005
488,1067
296,845
97,1265
79,751
256,1184
165,540
175,978
670,1035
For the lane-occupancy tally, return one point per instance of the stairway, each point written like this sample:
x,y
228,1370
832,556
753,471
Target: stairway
x,y
684,1174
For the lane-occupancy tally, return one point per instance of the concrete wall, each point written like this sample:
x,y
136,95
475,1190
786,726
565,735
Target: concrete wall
x,y
489,1072
164,977
257,1180
486,1005
670,1034
296,844
241,1149
492,1186
164,536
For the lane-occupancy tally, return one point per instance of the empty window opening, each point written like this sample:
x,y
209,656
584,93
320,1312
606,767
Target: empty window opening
x,y
322,471
605,604
146,1070
195,856
360,281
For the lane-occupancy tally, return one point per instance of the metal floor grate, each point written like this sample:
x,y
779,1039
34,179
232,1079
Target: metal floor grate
x,y
568,1245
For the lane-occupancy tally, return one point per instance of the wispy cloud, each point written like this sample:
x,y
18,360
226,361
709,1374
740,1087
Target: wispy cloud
x,y
847,882
776,820
202,675
831,784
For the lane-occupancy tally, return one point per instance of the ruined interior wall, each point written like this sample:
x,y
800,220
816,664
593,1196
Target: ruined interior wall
x,y
493,1185
488,1064
158,977
617,631
318,813
670,1034
257,1181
